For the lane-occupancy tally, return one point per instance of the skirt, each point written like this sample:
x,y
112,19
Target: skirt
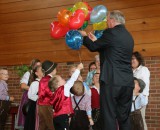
x,y
30,117
21,117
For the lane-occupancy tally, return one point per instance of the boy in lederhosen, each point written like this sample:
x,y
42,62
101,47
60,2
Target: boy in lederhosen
x,y
81,103
4,97
139,100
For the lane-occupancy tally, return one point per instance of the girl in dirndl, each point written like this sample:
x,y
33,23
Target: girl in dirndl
x,y
25,83
33,96
95,103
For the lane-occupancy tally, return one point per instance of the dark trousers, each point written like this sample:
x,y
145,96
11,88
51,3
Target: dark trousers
x,y
115,105
30,117
4,110
61,122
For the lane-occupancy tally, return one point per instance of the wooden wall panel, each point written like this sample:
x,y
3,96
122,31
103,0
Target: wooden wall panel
x,y
143,24
132,25
25,28
56,56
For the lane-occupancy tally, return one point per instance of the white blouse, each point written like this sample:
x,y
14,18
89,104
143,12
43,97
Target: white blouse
x,y
25,78
143,73
33,90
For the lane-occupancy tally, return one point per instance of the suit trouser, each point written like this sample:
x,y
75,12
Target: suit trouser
x,y
115,105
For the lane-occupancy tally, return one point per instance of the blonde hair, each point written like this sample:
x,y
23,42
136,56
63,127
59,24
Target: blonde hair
x,y
53,83
117,15
78,88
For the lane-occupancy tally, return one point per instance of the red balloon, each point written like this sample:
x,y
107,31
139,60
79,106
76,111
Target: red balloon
x,y
77,19
87,18
58,30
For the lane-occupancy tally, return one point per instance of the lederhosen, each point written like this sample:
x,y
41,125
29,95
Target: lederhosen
x,y
79,120
136,118
31,115
4,111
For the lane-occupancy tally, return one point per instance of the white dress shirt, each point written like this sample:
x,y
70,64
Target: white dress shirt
x,y
140,102
70,83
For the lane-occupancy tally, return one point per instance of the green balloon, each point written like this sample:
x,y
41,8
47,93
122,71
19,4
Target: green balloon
x,y
85,24
70,9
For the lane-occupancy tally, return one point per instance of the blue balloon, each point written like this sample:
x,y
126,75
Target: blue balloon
x,y
98,14
74,39
98,33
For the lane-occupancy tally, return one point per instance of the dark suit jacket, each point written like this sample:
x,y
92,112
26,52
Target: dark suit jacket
x,y
115,48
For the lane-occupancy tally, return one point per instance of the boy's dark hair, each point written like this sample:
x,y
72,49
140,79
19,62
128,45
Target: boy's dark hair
x,y
139,58
34,76
53,83
78,88
141,84
33,63
92,63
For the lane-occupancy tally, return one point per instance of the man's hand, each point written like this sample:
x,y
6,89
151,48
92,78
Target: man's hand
x,y
92,36
83,33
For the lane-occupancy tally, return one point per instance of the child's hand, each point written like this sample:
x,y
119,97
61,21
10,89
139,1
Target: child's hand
x,y
80,66
91,121
11,99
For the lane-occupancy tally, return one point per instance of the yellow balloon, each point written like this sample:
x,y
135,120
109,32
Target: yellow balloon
x,y
82,6
100,26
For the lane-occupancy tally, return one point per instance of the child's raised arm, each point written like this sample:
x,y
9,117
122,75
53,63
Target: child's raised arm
x,y
71,81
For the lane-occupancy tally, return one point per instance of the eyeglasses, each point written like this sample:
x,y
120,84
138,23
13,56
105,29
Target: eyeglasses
x,y
4,74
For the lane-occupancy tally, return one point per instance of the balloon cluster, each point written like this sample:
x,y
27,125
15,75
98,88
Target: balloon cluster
x,y
76,18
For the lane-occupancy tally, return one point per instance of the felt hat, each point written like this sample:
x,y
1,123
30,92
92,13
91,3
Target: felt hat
x,y
48,66
141,84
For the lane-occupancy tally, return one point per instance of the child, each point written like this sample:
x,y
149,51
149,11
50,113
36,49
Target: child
x,y
45,111
95,102
61,99
139,100
37,74
24,84
71,71
91,73
81,103
4,97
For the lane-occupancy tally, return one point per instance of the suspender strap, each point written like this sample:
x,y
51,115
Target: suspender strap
x,y
134,102
78,102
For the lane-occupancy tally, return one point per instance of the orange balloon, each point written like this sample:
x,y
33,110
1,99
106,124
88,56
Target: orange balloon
x,y
63,16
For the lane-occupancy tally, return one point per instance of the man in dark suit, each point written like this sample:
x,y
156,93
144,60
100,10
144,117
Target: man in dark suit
x,y
116,78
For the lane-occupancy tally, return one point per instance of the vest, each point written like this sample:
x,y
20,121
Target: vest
x,y
44,93
95,100
61,103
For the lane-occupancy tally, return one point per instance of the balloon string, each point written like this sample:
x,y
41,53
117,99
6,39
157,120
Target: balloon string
x,y
79,54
